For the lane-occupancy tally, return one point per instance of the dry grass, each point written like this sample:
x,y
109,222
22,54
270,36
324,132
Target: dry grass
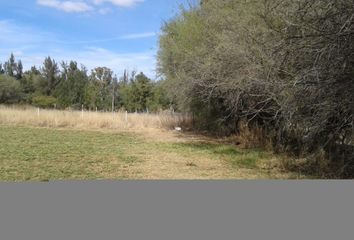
x,y
59,145
250,137
29,116
42,154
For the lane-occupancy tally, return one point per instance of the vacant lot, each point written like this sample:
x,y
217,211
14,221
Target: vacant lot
x,y
44,145
42,154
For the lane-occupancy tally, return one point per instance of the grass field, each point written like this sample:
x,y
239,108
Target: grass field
x,y
43,154
30,116
73,145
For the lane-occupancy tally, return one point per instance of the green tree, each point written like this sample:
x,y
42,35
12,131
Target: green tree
x,y
92,94
104,79
50,72
44,101
158,99
10,66
142,91
126,97
283,66
19,70
29,85
71,90
135,96
10,90
2,71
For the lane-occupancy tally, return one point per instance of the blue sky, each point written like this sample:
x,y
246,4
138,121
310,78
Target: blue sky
x,y
115,33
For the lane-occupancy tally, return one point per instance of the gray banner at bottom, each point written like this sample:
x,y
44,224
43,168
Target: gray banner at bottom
x,y
178,210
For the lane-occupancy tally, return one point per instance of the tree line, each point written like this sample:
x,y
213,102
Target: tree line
x,y
283,66
68,85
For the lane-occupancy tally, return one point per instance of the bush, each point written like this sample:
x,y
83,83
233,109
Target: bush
x,y
284,66
211,56
44,101
10,90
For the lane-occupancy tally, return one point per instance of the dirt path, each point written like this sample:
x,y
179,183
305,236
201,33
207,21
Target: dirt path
x,y
190,163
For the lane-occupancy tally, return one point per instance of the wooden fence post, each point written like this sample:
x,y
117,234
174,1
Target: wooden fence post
x,y
126,118
82,111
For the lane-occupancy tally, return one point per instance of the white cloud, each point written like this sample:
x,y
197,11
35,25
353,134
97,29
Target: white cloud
x,y
104,11
104,40
119,3
32,45
80,6
15,35
94,56
139,35
67,6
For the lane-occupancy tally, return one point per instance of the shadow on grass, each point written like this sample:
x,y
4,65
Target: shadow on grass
x,y
238,158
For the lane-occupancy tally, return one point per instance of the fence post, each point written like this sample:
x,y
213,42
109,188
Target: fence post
x,y
126,118
82,111
38,112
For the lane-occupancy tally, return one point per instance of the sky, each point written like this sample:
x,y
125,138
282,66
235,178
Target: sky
x,y
119,34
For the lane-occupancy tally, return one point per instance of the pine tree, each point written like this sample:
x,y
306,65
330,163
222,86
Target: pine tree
x,y
50,72
34,71
19,70
2,71
10,66
142,91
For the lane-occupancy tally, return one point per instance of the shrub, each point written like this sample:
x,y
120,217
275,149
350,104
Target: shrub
x,y
284,66
10,90
44,101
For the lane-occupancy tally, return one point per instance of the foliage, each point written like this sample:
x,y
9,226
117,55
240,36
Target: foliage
x,y
70,89
44,101
10,90
143,95
315,61
158,100
102,88
140,92
206,56
70,86
50,72
281,65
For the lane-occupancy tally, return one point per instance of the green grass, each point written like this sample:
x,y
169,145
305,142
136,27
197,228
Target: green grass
x,y
238,158
45,154
40,154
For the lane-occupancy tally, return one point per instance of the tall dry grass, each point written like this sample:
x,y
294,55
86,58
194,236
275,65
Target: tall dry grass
x,y
29,116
